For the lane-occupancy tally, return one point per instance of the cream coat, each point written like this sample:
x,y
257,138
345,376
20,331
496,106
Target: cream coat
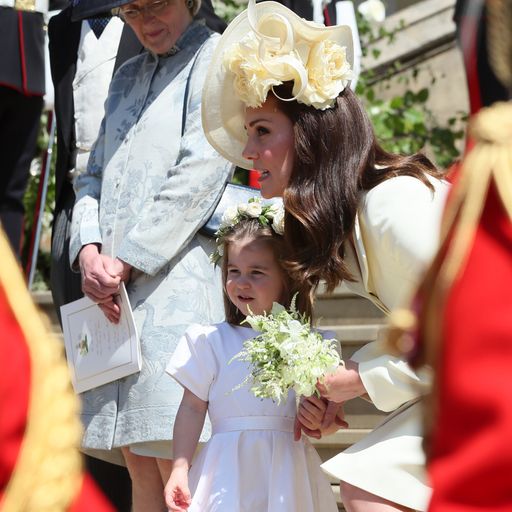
x,y
395,237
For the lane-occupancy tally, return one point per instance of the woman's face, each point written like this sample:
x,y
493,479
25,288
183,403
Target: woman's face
x,y
270,146
159,23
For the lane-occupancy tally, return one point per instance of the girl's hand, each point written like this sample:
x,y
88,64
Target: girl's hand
x,y
317,417
342,385
334,419
176,493
309,416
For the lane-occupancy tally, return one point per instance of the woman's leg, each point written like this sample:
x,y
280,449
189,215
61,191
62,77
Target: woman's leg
x,y
147,484
356,500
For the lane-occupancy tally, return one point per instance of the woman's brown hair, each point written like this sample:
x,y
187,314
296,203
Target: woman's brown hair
x,y
252,229
337,157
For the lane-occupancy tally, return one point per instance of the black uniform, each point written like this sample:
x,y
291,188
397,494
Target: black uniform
x,y
22,87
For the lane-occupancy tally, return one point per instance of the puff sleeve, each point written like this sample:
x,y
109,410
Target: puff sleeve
x,y
193,363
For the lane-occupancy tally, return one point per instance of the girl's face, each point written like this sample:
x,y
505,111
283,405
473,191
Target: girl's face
x,y
270,146
254,279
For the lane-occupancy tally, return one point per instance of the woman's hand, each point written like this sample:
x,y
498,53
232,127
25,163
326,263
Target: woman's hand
x,y
97,282
343,384
177,493
111,309
119,268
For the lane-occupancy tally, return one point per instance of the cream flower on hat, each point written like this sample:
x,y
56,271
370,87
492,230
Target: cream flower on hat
x,y
329,73
252,81
273,53
264,46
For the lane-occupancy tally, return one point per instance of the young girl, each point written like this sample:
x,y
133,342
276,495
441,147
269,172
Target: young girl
x,y
251,463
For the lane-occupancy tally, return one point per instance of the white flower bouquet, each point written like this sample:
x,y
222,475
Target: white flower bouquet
x,y
288,354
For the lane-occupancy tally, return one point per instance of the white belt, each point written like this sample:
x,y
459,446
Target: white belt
x,y
26,5
279,423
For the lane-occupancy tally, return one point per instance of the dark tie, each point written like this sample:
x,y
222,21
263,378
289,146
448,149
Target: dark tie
x,y
98,24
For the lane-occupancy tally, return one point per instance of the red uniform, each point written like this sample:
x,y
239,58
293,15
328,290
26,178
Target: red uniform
x,y
470,459
466,318
40,465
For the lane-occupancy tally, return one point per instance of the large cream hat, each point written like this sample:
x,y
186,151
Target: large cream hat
x,y
265,45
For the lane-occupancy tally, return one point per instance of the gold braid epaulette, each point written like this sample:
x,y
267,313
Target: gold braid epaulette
x,y
490,161
48,471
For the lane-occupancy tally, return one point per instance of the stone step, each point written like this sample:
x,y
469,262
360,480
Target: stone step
x,y
44,301
344,307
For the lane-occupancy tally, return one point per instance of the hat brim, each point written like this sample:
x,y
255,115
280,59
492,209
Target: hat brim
x,y
91,8
222,111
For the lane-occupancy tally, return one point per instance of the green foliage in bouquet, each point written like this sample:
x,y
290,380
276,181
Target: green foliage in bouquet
x,y
288,354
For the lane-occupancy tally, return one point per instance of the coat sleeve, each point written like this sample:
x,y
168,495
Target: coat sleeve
x,y
189,194
85,228
400,221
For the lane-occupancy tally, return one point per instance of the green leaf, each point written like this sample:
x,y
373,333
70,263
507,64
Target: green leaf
x,y
422,95
397,102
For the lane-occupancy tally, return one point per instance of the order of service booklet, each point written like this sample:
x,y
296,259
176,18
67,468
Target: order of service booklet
x,y
97,350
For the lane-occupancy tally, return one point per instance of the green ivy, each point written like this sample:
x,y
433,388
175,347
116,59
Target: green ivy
x,y
229,9
405,124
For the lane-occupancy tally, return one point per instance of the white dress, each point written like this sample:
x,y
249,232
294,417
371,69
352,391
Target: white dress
x,y
251,463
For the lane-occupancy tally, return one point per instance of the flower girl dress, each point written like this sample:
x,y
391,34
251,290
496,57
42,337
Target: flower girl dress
x,y
251,462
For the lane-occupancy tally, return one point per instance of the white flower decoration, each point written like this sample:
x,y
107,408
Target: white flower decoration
x,y
274,208
278,221
242,208
373,10
287,354
252,81
254,209
229,216
329,73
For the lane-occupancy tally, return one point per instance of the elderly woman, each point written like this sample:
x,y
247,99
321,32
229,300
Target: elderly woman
x,y
152,181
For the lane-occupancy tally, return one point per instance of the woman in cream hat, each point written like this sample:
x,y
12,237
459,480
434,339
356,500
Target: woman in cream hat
x,y
276,99
151,182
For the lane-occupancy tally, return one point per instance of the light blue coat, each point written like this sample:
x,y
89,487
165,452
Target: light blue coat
x,y
146,192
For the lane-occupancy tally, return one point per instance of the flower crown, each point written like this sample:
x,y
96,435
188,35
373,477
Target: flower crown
x,y
268,214
319,69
